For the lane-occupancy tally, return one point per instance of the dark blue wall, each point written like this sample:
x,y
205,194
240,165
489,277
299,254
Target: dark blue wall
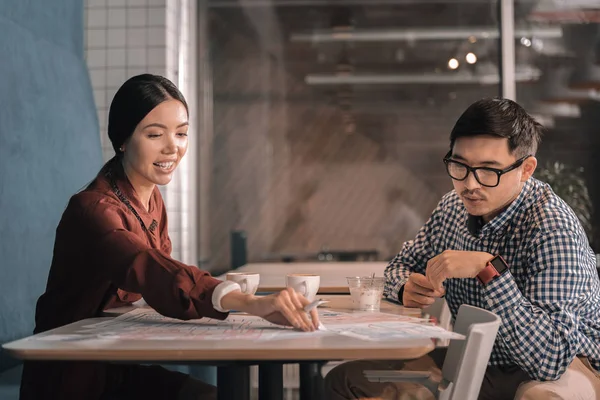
x,y
49,145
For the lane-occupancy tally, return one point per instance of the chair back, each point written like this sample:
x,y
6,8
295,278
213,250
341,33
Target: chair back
x,y
440,311
467,360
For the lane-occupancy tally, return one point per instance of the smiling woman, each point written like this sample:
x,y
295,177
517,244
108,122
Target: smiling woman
x,y
112,247
152,152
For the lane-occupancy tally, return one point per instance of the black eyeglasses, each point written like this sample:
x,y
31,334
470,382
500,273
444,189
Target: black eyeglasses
x,y
488,177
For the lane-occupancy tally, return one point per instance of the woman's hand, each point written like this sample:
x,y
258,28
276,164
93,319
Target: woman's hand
x,y
286,308
283,308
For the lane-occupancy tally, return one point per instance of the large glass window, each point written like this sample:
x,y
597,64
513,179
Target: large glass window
x,y
329,123
565,97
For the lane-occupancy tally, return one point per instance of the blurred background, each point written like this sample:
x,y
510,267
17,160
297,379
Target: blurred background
x,y
321,125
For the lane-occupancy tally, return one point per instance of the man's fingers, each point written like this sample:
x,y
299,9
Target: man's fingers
x,y
436,273
420,280
422,300
413,304
437,281
433,278
416,288
418,301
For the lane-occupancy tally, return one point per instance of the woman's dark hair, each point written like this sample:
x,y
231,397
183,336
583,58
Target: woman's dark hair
x,y
502,118
133,101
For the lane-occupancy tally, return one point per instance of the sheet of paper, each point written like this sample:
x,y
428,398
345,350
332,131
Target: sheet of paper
x,y
329,317
145,323
391,331
83,340
64,338
381,326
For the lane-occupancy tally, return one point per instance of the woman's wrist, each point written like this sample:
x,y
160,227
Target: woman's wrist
x,y
236,300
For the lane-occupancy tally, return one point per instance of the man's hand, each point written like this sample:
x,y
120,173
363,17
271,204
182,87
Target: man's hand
x,y
455,264
418,292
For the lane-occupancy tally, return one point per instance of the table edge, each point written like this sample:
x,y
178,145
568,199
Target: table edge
x,y
217,354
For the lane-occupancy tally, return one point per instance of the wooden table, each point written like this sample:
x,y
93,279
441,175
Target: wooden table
x,y
333,274
232,356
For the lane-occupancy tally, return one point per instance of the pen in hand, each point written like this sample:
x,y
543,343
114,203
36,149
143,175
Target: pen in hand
x,y
312,305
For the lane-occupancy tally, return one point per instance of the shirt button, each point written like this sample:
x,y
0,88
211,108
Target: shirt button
x,y
490,302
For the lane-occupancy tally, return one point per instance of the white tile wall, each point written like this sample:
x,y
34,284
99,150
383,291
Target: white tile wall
x,y
96,38
116,18
156,16
96,18
137,57
137,17
117,3
130,37
137,37
156,36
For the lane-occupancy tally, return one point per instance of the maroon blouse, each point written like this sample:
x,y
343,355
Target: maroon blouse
x,y
111,251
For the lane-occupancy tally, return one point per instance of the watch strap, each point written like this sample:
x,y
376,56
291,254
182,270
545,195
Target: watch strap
x,y
490,272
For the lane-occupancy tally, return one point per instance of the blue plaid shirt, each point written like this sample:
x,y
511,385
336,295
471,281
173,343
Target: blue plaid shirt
x,y
549,300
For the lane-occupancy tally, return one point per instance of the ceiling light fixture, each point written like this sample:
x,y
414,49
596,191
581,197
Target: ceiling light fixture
x,y
525,42
471,58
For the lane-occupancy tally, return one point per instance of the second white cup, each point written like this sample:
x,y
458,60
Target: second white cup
x,y
305,284
248,281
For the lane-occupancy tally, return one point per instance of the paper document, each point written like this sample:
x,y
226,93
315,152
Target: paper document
x,y
381,326
147,324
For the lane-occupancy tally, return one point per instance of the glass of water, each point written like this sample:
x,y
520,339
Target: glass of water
x,y
366,292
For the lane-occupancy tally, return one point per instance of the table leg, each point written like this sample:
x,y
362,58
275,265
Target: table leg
x,y
311,381
233,382
270,381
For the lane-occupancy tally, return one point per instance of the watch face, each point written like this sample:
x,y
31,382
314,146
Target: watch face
x,y
499,264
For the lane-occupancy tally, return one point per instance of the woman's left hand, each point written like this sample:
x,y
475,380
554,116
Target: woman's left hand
x,y
285,308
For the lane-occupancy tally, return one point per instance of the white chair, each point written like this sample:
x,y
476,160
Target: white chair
x,y
440,311
466,360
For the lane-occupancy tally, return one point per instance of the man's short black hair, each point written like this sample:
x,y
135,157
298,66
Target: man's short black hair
x,y
502,118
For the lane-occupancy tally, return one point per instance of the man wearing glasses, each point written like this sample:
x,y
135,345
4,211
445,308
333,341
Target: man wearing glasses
x,y
502,241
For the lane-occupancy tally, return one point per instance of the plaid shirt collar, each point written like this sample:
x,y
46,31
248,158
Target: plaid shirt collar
x,y
503,221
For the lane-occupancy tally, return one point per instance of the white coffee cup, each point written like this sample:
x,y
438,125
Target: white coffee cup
x,y
248,281
305,284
